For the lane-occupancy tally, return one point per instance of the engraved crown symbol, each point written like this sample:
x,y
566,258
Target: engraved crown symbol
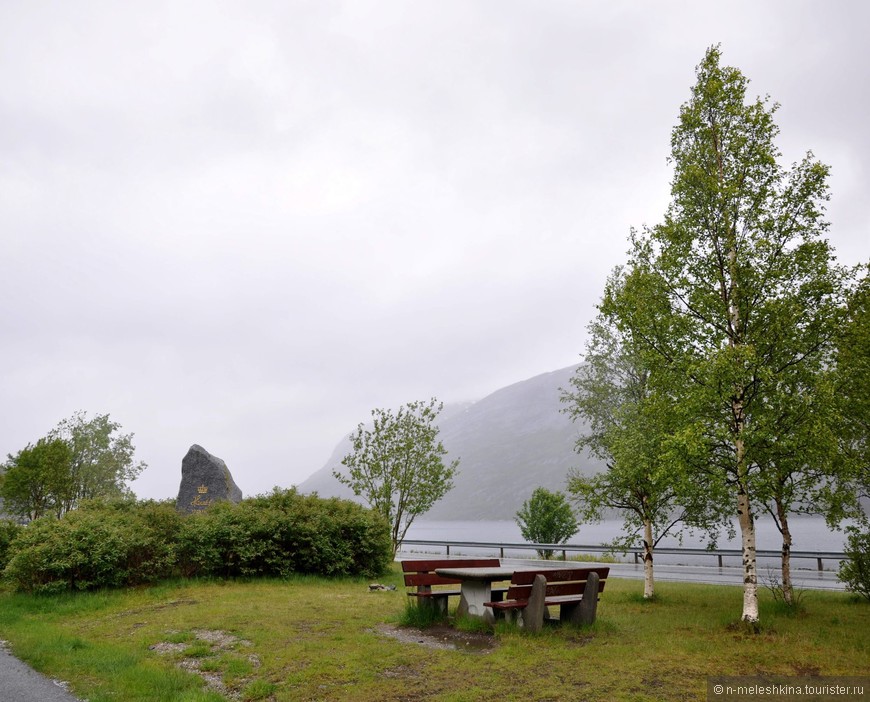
x,y
202,489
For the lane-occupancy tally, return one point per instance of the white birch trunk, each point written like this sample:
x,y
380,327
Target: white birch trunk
x,y
750,573
738,413
787,588
648,582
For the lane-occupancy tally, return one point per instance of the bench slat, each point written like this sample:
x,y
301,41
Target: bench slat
x,y
434,593
522,592
527,577
564,586
418,579
421,574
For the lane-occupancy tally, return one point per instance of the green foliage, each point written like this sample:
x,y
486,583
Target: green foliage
x,y
258,690
421,614
9,530
855,570
283,533
98,545
122,543
852,386
629,421
397,466
546,518
735,300
37,479
102,458
80,459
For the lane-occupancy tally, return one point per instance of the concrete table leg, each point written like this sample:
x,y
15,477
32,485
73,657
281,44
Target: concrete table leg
x,y
473,595
533,612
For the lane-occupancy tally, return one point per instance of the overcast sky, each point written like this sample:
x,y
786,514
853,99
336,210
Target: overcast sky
x,y
246,224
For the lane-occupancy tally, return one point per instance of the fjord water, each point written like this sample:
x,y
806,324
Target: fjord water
x,y
808,534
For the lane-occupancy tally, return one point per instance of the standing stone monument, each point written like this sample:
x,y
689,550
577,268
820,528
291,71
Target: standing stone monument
x,y
205,479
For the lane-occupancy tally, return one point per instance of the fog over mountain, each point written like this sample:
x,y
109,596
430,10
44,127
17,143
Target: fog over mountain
x,y
508,443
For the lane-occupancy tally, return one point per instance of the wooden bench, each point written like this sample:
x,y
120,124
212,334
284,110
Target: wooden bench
x,y
531,592
422,576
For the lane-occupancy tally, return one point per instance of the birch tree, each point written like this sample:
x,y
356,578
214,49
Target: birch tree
x,y
627,428
736,293
398,465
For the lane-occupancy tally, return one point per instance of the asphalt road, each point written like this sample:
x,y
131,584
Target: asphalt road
x,y
20,683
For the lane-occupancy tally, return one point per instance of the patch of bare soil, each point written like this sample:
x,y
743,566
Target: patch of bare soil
x,y
441,637
218,641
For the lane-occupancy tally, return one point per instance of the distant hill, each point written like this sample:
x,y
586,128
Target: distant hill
x,y
508,443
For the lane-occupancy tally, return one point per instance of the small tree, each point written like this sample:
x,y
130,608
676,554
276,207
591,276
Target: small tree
x,y
855,570
397,466
102,458
37,479
546,518
628,425
80,459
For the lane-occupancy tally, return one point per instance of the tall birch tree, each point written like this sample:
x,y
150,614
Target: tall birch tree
x,y
628,426
736,293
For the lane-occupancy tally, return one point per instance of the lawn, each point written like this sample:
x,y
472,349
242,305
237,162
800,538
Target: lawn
x,y
316,639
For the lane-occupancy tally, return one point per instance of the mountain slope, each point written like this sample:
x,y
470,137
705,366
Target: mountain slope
x,y
508,443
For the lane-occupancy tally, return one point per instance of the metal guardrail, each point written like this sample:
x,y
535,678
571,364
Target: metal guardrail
x,y
819,556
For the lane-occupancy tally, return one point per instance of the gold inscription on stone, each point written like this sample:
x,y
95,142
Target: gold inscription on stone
x,y
199,500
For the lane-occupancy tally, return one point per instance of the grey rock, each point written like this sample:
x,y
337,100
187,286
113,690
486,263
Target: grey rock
x,y
205,479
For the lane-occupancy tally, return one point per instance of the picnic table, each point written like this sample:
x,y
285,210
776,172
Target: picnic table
x,y
476,588
433,589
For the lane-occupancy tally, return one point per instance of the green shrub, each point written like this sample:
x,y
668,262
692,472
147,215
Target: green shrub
x,y
128,543
283,533
97,545
8,531
855,570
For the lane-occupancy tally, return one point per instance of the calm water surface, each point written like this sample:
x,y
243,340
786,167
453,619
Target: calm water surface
x,y
808,534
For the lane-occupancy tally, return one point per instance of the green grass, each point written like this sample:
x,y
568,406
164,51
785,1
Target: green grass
x,y
317,639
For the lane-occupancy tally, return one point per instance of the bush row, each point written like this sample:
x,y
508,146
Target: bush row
x,y
8,531
131,543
